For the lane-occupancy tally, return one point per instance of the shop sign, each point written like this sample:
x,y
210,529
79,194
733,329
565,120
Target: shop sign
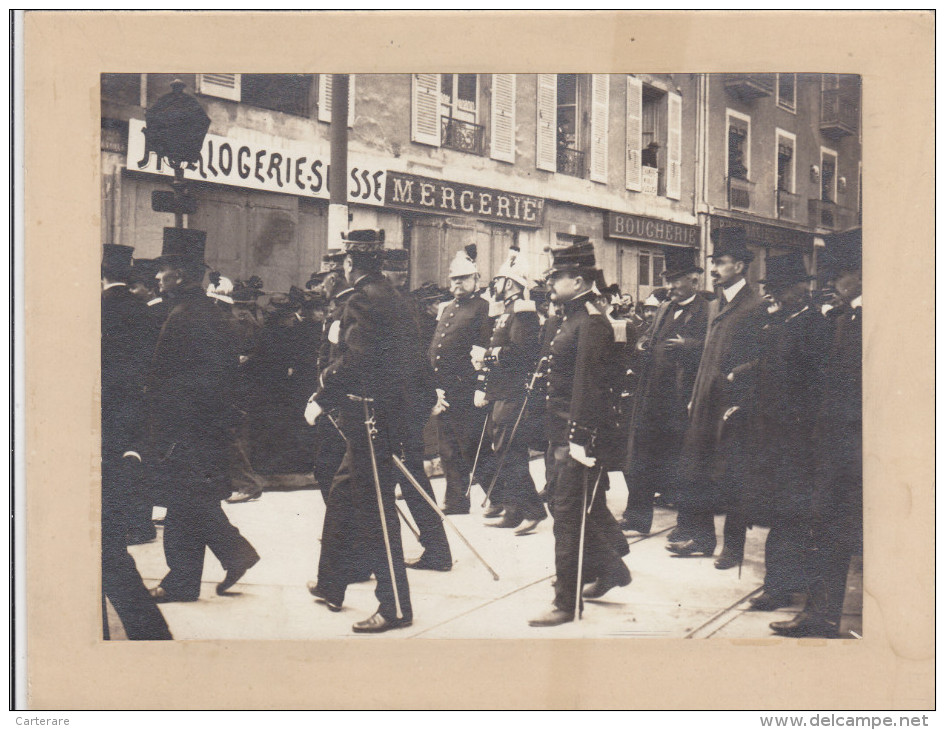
x,y
413,192
760,234
247,159
651,230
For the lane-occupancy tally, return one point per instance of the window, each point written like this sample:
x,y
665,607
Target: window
x,y
828,175
643,276
739,161
570,158
787,89
659,266
654,140
786,163
459,113
288,93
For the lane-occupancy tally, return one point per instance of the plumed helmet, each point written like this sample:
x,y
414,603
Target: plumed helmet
x,y
464,262
220,288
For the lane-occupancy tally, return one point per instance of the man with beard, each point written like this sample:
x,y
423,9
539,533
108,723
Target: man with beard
x,y
713,463
191,415
659,418
580,421
837,509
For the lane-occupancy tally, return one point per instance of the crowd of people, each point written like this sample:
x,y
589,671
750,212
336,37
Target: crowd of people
x,y
722,402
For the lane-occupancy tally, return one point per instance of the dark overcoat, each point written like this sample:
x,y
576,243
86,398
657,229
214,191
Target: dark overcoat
x,y
713,449
788,393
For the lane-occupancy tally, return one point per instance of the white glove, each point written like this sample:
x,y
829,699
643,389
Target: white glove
x,y
312,412
479,399
476,355
132,454
579,454
729,413
441,402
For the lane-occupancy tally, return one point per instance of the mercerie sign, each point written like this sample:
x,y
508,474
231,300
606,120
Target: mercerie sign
x,y
413,192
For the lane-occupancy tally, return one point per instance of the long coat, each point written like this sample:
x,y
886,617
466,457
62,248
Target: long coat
x,y
789,384
713,451
191,396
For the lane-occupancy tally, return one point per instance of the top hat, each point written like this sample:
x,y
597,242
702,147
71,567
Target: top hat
x,y
116,256
145,270
578,258
731,241
464,262
843,252
183,246
366,241
681,261
396,259
785,270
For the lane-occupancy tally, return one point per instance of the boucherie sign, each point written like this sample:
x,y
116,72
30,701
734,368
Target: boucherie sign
x,y
247,159
413,192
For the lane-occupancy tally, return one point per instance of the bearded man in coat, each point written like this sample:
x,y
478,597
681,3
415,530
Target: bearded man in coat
x,y
192,415
713,463
781,425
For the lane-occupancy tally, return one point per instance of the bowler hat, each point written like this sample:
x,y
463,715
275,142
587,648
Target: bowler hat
x,y
785,270
731,241
843,252
396,259
366,240
681,261
577,258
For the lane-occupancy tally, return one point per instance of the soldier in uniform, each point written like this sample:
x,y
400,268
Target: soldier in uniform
x,y
581,417
659,417
714,458
504,370
462,324
126,350
837,509
191,417
376,354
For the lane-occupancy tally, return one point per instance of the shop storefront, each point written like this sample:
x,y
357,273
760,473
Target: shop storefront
x,y
640,244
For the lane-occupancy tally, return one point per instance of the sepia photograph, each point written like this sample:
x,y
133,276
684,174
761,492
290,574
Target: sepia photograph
x,y
404,367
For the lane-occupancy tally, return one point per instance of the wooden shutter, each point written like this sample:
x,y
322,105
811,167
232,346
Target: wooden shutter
x,y
503,118
224,86
324,98
600,104
674,145
546,144
634,133
425,109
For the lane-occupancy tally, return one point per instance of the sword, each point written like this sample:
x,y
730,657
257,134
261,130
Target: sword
x,y
369,425
485,426
400,465
580,561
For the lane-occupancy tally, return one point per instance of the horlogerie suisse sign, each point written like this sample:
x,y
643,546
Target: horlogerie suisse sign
x,y
651,230
413,192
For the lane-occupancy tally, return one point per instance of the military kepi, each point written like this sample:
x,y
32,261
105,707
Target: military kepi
x,y
785,270
366,240
731,241
577,258
396,259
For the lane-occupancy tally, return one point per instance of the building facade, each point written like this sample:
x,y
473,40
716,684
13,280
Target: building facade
x,y
636,162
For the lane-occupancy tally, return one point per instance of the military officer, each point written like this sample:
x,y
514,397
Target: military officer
x,y
504,370
462,324
369,386
581,418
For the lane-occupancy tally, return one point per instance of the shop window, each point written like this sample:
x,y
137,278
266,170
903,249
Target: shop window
x,y
643,274
787,91
122,89
288,93
659,266
459,113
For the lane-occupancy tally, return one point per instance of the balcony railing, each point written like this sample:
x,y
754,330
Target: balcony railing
x,y
570,162
829,215
839,112
739,193
749,86
462,136
789,207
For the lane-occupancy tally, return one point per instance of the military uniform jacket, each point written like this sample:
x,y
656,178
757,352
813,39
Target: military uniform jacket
x,y
127,345
461,324
512,352
581,375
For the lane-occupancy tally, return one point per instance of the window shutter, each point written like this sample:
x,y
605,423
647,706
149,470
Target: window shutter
x,y
674,156
600,103
634,133
503,117
546,144
324,98
425,109
224,86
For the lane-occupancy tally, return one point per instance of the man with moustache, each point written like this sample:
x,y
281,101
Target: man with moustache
x,y
713,462
660,418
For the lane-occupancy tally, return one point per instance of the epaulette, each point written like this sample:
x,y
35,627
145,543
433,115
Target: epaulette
x,y
156,300
620,329
496,309
441,308
344,294
591,308
523,305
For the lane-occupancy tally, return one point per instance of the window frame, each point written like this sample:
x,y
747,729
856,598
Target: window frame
x,y
452,104
828,152
792,106
780,134
729,115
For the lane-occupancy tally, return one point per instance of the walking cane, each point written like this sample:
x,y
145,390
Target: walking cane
x,y
443,518
400,511
508,447
485,427
369,425
580,559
